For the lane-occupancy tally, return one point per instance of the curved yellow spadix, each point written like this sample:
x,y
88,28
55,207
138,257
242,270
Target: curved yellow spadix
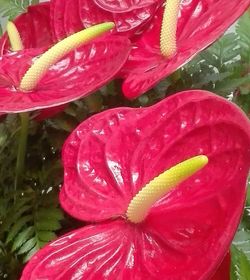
x,y
161,185
58,51
14,37
169,28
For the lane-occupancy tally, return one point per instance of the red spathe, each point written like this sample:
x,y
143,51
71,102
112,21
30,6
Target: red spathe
x,y
223,273
77,75
112,155
130,16
200,23
34,28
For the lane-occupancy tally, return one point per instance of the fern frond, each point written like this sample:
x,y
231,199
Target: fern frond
x,y
240,268
12,8
31,223
242,30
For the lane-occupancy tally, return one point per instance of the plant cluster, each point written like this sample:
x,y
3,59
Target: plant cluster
x,y
30,216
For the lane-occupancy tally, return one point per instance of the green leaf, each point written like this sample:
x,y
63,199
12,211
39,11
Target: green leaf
x,y
15,214
228,85
30,254
223,53
27,246
22,238
46,236
49,214
211,77
12,8
242,29
22,222
48,225
242,242
240,268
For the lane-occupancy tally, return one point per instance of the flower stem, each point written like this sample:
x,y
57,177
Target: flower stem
x,y
22,145
17,45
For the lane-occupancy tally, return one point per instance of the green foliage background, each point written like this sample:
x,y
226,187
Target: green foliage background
x,y
31,216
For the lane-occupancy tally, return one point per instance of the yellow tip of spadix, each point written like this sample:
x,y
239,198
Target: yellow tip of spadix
x,y
161,185
58,51
168,42
14,37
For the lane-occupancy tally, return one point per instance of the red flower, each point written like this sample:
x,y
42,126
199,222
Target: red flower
x,y
112,155
76,75
223,273
200,23
130,16
34,28
35,32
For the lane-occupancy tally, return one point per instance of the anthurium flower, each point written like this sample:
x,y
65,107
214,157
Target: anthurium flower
x,y
223,273
180,29
34,28
178,226
73,68
130,16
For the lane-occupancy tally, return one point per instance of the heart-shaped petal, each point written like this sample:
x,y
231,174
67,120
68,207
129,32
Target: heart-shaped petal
x,y
65,18
119,250
200,23
118,6
35,32
128,23
107,160
111,156
78,74
85,13
34,28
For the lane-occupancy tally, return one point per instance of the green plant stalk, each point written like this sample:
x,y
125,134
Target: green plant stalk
x,y
22,146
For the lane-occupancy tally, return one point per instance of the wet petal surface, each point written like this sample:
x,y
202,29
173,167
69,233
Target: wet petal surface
x,y
111,156
119,250
78,74
200,23
34,28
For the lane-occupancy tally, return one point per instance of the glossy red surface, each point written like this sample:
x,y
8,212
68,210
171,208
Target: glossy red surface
x,y
34,28
130,16
223,273
35,32
77,75
65,18
118,6
112,155
200,23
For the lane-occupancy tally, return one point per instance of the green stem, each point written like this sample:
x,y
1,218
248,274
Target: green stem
x,y
22,145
